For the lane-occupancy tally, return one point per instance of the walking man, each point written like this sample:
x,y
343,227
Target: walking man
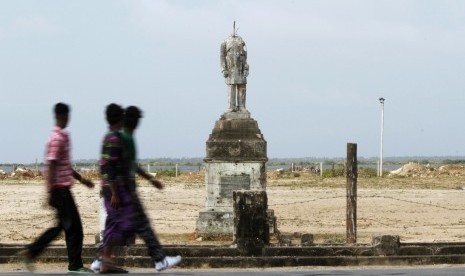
x,y
59,180
142,225
119,205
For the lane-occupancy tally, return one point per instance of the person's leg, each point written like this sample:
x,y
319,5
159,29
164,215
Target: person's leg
x,y
118,226
106,248
36,248
106,257
107,265
145,231
71,223
110,228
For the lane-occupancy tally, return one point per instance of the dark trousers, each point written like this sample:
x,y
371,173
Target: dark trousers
x,y
68,219
145,231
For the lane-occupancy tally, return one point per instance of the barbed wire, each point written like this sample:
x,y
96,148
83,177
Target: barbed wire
x,y
305,201
420,203
364,197
90,205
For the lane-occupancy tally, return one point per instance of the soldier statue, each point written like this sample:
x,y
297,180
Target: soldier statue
x,y
235,70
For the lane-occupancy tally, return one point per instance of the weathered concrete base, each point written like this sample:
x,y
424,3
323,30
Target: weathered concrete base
x,y
236,139
386,245
306,239
296,239
271,218
211,223
221,179
244,114
235,160
215,223
274,256
251,231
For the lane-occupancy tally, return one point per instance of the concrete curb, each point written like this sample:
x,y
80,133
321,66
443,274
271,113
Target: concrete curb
x,y
273,256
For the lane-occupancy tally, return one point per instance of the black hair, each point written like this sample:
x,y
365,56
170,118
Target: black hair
x,y
114,113
61,109
132,114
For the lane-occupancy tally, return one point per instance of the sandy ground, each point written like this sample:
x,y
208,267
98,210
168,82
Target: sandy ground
x,y
416,214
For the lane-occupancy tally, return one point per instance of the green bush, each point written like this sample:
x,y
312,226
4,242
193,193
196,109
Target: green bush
x,y
333,173
169,173
367,172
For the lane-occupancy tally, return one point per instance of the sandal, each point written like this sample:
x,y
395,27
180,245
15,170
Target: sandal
x,y
109,268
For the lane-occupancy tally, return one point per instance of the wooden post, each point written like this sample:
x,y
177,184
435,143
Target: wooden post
x,y
351,195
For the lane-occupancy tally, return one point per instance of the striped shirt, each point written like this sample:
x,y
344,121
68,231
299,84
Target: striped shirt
x,y
58,149
112,164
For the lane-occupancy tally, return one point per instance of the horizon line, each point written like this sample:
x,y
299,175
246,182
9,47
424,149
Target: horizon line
x,y
374,158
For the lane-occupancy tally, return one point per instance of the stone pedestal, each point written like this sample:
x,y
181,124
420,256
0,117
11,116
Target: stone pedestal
x,y
236,158
251,231
385,245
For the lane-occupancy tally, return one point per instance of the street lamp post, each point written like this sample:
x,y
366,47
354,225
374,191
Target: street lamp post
x,y
381,100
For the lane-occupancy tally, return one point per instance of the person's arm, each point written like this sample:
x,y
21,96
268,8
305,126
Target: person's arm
x,y
51,173
83,180
115,200
113,152
149,177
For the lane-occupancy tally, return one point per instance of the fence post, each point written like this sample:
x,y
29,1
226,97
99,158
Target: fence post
x,y
176,170
351,193
321,169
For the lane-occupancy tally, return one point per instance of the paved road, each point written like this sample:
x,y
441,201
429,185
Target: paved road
x,y
385,271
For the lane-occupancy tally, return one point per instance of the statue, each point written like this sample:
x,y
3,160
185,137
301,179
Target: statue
x,y
233,54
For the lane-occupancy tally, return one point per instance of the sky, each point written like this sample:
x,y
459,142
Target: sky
x,y
317,70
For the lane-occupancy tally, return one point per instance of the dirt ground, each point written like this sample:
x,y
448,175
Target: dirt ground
x,y
418,208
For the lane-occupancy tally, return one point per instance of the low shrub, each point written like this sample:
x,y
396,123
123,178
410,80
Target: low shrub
x,y
168,173
333,173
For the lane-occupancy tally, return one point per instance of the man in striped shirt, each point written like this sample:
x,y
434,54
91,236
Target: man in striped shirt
x,y
59,179
142,226
114,170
